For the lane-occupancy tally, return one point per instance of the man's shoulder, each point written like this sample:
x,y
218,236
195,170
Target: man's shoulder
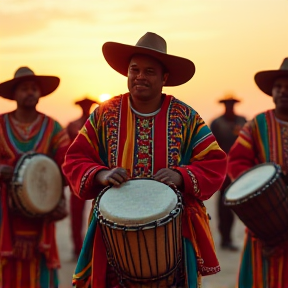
x,y
3,115
73,124
217,119
259,119
113,102
240,117
182,106
50,119
263,115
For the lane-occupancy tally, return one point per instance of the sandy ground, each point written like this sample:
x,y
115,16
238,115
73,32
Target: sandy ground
x,y
229,261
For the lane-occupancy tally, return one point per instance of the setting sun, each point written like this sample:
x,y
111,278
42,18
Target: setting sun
x,y
104,97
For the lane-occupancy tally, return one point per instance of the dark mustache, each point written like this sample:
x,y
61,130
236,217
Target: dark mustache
x,y
141,83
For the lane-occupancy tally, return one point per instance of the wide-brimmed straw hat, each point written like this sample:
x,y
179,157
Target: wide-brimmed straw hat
x,y
265,79
86,102
47,83
229,98
119,55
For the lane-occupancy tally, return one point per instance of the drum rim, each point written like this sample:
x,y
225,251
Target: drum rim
x,y
16,185
278,172
149,225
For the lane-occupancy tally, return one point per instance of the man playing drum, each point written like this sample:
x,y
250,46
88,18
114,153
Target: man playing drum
x,y
146,133
264,139
28,250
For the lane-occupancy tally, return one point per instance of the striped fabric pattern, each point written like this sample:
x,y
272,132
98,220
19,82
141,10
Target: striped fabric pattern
x,y
261,140
47,137
175,138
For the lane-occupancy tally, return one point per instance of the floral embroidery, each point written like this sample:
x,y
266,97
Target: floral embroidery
x,y
112,119
177,116
144,147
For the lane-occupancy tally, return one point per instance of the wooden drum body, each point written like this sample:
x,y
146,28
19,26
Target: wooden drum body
x,y
36,184
141,226
260,199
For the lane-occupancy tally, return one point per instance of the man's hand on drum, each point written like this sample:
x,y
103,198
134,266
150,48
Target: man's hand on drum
x,y
116,177
169,176
6,173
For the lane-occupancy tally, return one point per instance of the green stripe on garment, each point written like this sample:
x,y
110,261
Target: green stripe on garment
x,y
45,275
246,271
83,267
263,130
190,264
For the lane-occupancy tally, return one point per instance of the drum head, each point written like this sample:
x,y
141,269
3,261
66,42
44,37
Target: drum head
x,y
42,184
250,182
138,201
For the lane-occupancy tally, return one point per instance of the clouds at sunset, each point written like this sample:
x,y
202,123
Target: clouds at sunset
x,y
228,40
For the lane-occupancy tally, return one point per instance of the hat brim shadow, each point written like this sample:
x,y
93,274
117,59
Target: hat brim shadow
x,y
85,102
229,100
119,55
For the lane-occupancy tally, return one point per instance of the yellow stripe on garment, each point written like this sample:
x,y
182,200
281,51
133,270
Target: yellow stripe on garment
x,y
212,146
245,143
83,132
128,151
80,274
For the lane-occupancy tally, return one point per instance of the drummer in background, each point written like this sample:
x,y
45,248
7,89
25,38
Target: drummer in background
x,y
226,129
77,204
264,139
146,133
28,250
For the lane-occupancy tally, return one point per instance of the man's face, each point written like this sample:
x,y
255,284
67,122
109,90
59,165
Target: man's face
x,y
280,93
27,94
145,77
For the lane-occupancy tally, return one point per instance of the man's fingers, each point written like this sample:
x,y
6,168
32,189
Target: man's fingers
x,y
123,173
160,175
160,172
113,181
118,177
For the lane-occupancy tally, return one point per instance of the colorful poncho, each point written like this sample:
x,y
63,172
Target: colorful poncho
x,y
175,138
24,242
264,139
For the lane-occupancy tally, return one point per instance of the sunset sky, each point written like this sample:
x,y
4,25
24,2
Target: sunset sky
x,y
228,40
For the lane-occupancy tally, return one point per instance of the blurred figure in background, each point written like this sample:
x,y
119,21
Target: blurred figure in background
x,y
226,129
28,249
76,204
